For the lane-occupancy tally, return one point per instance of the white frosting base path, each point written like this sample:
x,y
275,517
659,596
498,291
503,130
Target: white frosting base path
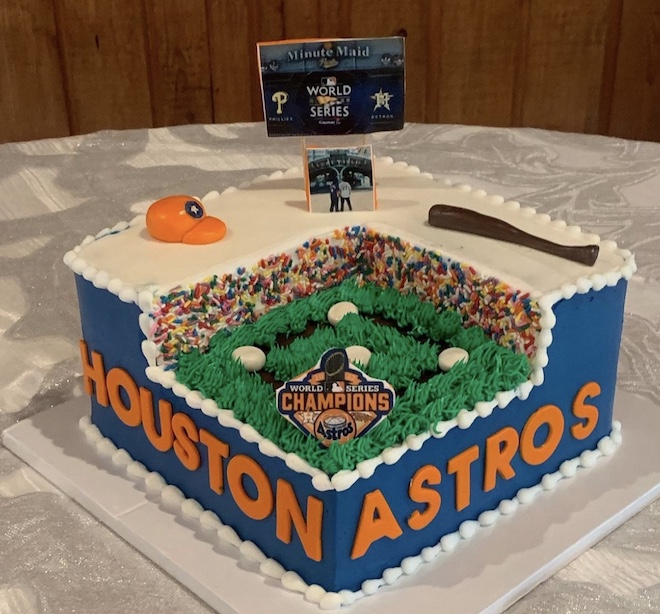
x,y
507,560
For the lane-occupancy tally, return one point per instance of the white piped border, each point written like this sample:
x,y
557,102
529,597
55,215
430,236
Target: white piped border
x,y
365,469
172,497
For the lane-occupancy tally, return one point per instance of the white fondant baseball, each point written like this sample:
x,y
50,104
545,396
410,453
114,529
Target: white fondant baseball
x,y
358,354
339,310
251,357
449,357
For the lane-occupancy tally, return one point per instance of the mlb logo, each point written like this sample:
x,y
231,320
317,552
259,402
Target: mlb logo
x,y
329,81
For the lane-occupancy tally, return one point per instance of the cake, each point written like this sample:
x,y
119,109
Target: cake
x,y
530,404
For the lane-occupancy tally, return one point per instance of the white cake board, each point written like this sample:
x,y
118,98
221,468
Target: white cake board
x,y
485,574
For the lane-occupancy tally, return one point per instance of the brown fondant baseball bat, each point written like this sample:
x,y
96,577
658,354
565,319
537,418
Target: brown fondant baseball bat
x,y
465,220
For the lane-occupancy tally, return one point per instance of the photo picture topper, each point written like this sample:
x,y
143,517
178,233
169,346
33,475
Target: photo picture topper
x,y
332,86
340,179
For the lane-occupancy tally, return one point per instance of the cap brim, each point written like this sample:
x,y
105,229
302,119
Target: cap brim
x,y
208,230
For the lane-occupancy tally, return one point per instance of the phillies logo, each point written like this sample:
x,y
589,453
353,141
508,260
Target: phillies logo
x,y
280,98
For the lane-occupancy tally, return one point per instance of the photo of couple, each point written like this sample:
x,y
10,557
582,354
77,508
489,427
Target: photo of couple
x,y
340,179
340,191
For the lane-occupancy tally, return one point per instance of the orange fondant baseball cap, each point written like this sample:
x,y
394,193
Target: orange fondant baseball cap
x,y
183,219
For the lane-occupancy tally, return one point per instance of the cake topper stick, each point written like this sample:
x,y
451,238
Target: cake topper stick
x,y
465,220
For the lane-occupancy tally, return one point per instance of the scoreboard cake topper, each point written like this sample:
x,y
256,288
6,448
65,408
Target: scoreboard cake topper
x,y
332,86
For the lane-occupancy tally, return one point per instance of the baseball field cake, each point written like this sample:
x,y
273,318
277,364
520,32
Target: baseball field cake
x,y
345,395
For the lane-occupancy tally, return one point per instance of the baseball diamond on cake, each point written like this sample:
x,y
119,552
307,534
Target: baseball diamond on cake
x,y
529,399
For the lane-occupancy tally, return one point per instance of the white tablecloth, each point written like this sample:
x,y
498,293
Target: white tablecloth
x,y
54,556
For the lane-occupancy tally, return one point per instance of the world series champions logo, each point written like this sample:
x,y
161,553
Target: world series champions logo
x,y
335,401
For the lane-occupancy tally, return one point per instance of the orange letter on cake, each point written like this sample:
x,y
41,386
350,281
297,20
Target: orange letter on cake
x,y
260,507
217,451
582,410
550,415
131,415
94,373
288,512
460,465
429,474
185,434
500,450
376,521
164,441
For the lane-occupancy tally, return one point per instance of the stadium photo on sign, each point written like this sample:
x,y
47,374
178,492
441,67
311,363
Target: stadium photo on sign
x,y
340,179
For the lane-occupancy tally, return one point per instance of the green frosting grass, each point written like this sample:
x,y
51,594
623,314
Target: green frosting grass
x,y
398,357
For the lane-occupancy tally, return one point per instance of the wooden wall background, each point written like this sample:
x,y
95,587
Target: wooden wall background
x,y
77,66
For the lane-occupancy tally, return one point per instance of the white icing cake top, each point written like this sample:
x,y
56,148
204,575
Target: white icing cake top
x,y
270,215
